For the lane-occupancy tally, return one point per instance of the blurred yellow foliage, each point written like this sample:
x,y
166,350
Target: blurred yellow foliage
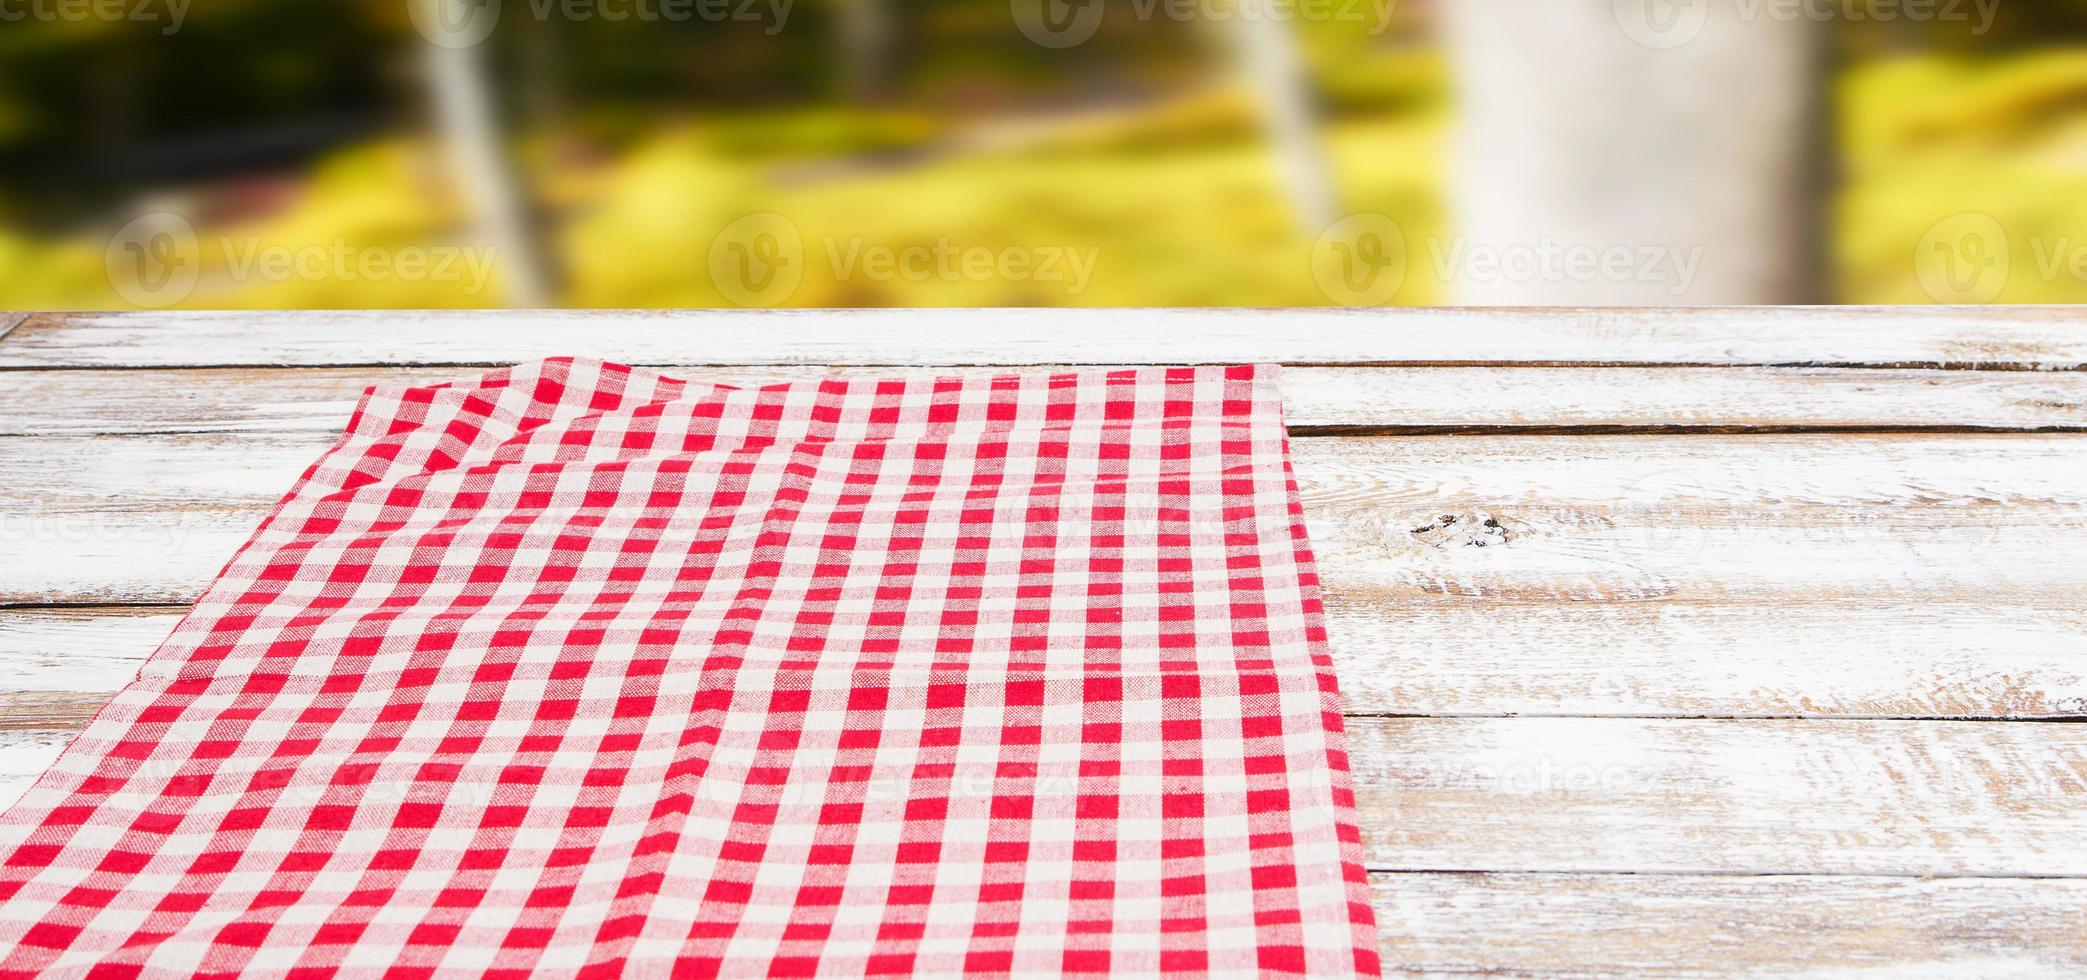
x,y
1171,222
1930,138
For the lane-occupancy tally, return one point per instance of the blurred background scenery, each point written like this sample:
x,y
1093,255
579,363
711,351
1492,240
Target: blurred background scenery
x,y
821,153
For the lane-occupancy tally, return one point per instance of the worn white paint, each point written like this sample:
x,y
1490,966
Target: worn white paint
x,y
23,757
1452,655
2040,337
1742,797
1785,575
1593,519
1678,796
85,402
95,651
1852,577
1540,925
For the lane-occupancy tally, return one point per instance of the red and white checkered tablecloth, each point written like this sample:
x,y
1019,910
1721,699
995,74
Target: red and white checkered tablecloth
x,y
577,669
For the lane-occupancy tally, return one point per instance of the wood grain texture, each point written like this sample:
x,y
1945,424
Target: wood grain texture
x,y
1743,797
82,651
1401,399
1542,925
1525,626
1887,576
1689,796
1461,657
1611,925
9,321
2009,337
1508,518
24,755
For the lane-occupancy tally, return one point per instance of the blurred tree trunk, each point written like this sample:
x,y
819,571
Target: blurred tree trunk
x,y
1270,61
1668,130
865,41
466,117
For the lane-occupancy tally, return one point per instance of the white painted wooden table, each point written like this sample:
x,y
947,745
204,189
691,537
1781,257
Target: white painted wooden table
x,y
1673,641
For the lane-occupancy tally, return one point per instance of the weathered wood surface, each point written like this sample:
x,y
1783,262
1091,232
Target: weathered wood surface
x,y
1317,399
2014,337
1697,796
1463,657
1596,519
1676,710
1719,796
1881,576
1638,925
1627,925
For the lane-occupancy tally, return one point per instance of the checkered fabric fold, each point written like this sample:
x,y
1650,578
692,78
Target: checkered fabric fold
x,y
576,669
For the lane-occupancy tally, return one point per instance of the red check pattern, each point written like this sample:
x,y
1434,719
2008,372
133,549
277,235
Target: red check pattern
x,y
579,670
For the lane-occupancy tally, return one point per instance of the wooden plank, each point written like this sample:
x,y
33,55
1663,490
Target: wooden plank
x,y
1662,925
1761,576
9,321
1398,399
1606,925
1373,498
85,651
1747,797
2029,337
1824,658
24,755
1627,518
49,710
1698,797
1599,925
1467,657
